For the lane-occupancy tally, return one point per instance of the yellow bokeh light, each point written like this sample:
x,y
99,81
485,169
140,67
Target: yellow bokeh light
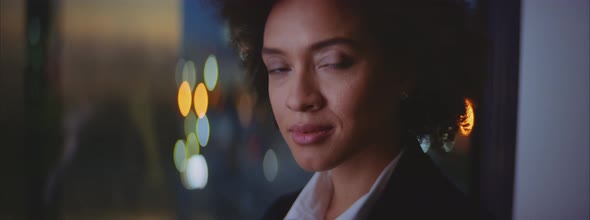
x,y
201,100
467,120
184,98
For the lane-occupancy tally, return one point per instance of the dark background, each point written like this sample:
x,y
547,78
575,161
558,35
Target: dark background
x,y
89,115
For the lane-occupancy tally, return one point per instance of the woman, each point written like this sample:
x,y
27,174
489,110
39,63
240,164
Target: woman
x,y
351,84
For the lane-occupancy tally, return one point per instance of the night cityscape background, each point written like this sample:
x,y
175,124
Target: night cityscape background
x,y
129,109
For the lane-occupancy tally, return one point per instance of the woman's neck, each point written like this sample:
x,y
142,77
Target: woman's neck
x,y
354,178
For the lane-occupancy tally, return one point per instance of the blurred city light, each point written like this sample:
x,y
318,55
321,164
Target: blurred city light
x,y
468,120
189,73
192,144
211,72
201,100
194,171
197,172
180,155
203,130
270,165
184,98
190,123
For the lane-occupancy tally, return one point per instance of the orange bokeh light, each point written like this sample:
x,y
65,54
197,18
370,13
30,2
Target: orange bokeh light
x,y
184,98
201,100
467,120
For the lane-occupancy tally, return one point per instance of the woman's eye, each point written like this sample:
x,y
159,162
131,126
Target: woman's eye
x,y
338,65
336,62
278,70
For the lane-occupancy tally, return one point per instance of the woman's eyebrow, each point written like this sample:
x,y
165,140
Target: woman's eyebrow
x,y
333,41
316,46
271,51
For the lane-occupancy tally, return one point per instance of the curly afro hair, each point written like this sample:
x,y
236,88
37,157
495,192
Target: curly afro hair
x,y
438,44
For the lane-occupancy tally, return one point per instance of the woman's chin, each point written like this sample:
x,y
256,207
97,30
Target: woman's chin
x,y
313,162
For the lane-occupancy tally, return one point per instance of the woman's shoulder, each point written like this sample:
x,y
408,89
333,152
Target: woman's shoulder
x,y
417,189
280,207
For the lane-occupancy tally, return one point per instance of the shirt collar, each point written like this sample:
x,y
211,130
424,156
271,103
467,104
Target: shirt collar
x,y
313,200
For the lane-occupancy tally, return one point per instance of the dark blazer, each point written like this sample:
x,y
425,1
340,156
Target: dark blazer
x,y
416,190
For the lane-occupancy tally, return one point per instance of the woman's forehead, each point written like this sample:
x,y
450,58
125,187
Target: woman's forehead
x,y
296,23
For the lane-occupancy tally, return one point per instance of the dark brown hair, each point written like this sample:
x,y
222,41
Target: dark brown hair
x,y
437,43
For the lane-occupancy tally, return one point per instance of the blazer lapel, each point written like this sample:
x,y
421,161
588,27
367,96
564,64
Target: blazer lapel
x,y
418,190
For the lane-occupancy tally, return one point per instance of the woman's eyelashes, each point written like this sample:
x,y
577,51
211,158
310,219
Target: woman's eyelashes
x,y
278,70
333,59
275,70
337,64
329,63
277,67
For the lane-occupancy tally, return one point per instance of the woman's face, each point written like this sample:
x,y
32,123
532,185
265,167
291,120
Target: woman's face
x,y
330,96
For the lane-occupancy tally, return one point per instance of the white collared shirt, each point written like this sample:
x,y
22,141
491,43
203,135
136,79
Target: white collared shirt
x,y
312,202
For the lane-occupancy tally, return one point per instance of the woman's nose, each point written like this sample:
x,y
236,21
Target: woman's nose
x,y
305,94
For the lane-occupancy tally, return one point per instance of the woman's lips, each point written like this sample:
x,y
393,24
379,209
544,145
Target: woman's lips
x,y
306,134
